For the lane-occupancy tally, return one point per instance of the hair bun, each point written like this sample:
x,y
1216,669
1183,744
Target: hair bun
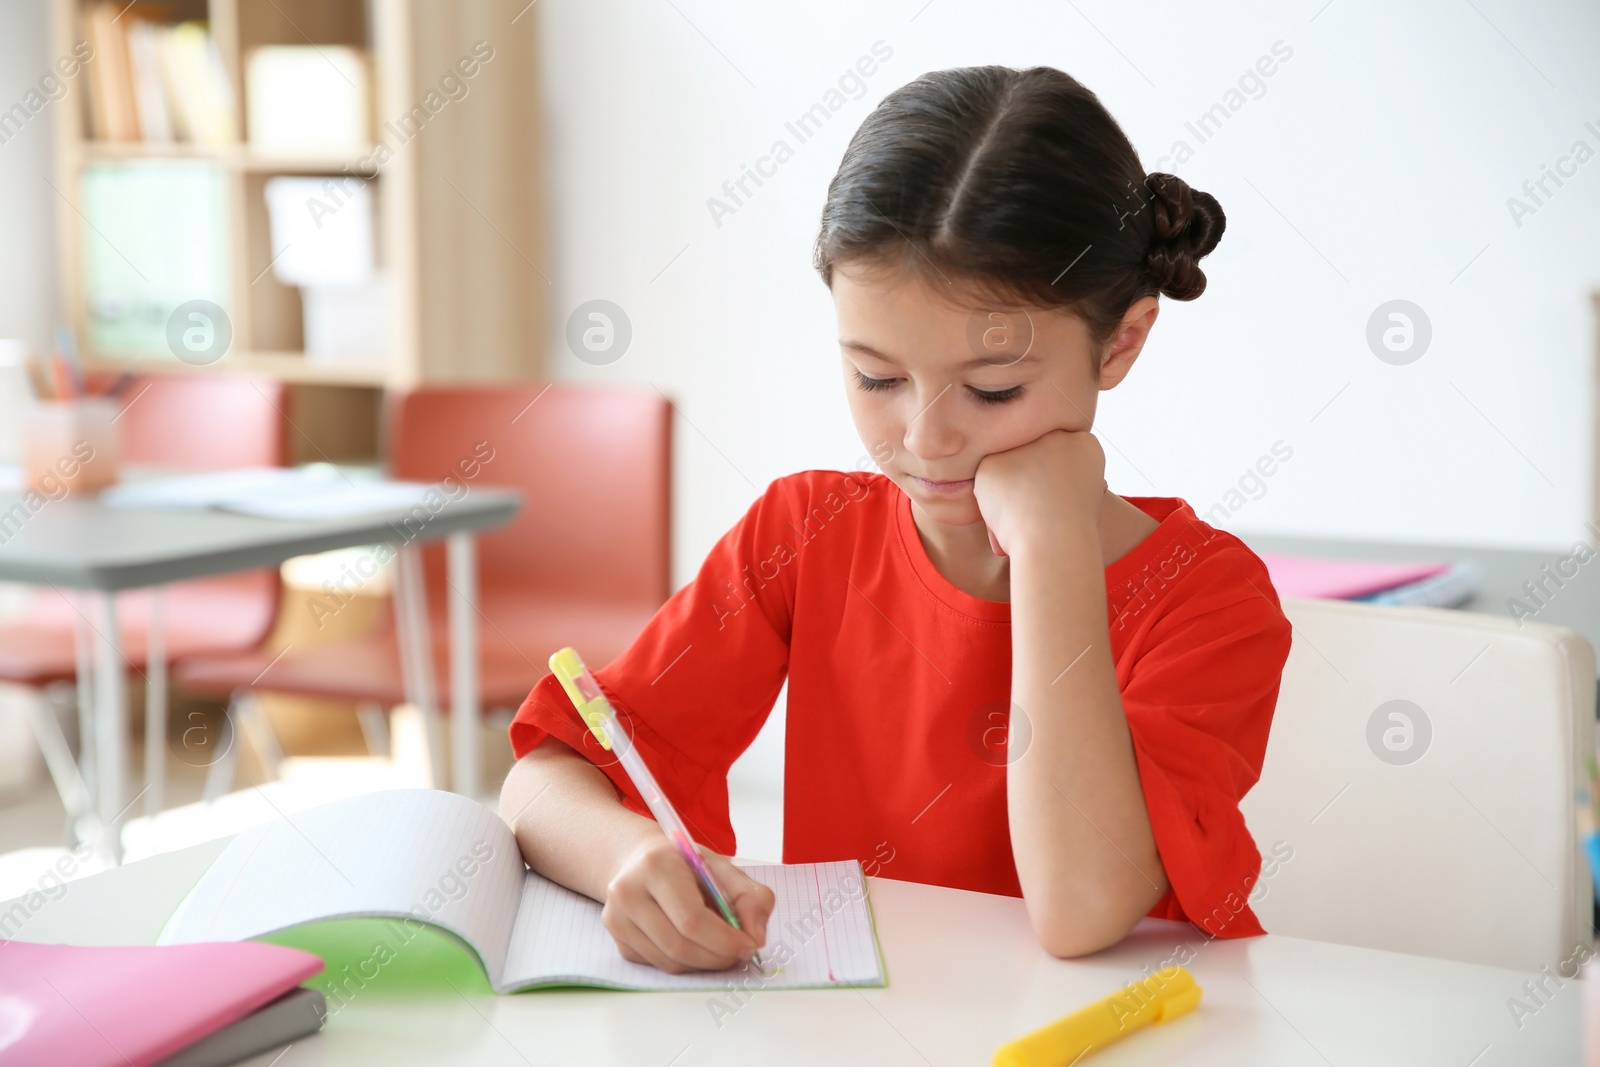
x,y
1188,225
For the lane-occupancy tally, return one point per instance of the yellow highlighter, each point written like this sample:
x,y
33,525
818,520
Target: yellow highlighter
x,y
1158,998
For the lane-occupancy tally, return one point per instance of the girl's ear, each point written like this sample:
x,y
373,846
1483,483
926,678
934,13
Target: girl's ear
x,y
1126,344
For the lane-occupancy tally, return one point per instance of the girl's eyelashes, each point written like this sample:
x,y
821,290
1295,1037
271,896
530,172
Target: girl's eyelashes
x,y
874,383
1000,396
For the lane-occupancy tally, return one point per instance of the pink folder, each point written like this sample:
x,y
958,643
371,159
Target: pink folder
x,y
132,1006
1341,579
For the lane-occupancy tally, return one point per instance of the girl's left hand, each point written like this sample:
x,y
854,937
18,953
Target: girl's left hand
x,y
1040,486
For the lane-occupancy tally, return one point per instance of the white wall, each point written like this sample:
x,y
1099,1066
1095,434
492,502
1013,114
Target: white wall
x,y
27,287
27,232
1376,165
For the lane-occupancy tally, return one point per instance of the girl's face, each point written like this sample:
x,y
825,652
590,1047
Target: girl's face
x,y
936,382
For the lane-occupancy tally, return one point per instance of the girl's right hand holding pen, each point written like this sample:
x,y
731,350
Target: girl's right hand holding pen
x,y
657,914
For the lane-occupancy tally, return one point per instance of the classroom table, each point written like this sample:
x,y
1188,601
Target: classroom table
x,y
965,975
80,543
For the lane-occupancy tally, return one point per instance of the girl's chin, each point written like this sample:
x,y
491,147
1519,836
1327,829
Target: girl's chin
x,y
948,512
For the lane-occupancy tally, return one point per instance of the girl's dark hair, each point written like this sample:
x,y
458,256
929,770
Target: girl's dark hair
x,y
1019,184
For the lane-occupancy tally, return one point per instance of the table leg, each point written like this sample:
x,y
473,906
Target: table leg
x,y
374,725
58,758
83,655
416,653
465,710
111,723
155,708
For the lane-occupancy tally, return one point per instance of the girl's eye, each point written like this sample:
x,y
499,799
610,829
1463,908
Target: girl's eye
x,y
1000,397
984,397
874,383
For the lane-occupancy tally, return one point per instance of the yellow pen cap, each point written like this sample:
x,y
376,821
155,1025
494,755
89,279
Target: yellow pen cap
x,y
1158,998
583,691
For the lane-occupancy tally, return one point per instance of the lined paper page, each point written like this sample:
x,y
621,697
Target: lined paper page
x,y
820,932
434,856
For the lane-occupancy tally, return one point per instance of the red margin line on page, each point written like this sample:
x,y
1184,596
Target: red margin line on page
x,y
827,957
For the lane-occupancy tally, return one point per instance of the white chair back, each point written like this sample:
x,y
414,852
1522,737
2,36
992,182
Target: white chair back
x,y
1421,775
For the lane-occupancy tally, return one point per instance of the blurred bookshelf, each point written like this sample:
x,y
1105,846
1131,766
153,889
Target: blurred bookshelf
x,y
406,131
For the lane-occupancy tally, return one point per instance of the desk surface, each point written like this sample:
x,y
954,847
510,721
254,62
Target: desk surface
x,y
965,975
83,544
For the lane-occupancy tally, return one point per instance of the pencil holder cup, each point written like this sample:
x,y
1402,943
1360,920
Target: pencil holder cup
x,y
16,397
70,446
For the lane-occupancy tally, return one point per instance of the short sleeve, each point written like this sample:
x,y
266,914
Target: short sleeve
x,y
696,685
1199,704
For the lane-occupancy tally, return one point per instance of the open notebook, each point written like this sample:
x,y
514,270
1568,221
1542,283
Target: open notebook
x,y
288,493
424,856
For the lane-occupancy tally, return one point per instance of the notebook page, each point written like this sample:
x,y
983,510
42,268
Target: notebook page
x,y
335,501
426,854
205,490
272,493
820,934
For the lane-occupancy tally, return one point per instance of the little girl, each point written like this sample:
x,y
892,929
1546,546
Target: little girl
x,y
1002,676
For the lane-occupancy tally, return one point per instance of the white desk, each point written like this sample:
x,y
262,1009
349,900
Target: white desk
x,y
965,975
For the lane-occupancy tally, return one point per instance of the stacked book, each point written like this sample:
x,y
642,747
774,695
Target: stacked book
x,y
1431,584
202,1005
155,82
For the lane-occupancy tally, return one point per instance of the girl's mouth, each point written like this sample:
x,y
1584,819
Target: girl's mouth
x,y
942,488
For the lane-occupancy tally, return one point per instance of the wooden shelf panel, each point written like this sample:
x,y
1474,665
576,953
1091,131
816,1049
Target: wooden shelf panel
x,y
295,367
284,366
235,157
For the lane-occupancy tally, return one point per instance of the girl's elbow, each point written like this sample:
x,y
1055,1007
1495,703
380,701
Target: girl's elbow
x,y
1079,915
517,784
1071,929
1072,951
1071,941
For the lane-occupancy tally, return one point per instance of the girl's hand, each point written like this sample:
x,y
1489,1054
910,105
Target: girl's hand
x,y
655,912
1055,479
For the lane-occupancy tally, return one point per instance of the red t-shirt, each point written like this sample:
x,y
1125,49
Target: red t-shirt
x,y
899,689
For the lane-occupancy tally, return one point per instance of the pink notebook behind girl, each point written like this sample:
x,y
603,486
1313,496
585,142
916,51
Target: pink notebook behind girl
x,y
1341,579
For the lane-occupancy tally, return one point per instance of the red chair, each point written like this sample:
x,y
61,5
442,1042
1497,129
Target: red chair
x,y
585,562
193,422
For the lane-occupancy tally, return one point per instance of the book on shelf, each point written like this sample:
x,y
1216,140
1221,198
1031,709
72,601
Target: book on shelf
x,y
156,237
323,236
322,230
309,99
156,82
111,116
151,112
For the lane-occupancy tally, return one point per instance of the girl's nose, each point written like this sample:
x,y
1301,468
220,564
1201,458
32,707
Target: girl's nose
x,y
931,431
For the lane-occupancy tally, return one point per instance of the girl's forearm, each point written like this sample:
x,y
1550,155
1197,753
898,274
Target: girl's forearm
x,y
1080,834
569,820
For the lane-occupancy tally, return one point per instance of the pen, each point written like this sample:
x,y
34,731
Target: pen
x,y
597,712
